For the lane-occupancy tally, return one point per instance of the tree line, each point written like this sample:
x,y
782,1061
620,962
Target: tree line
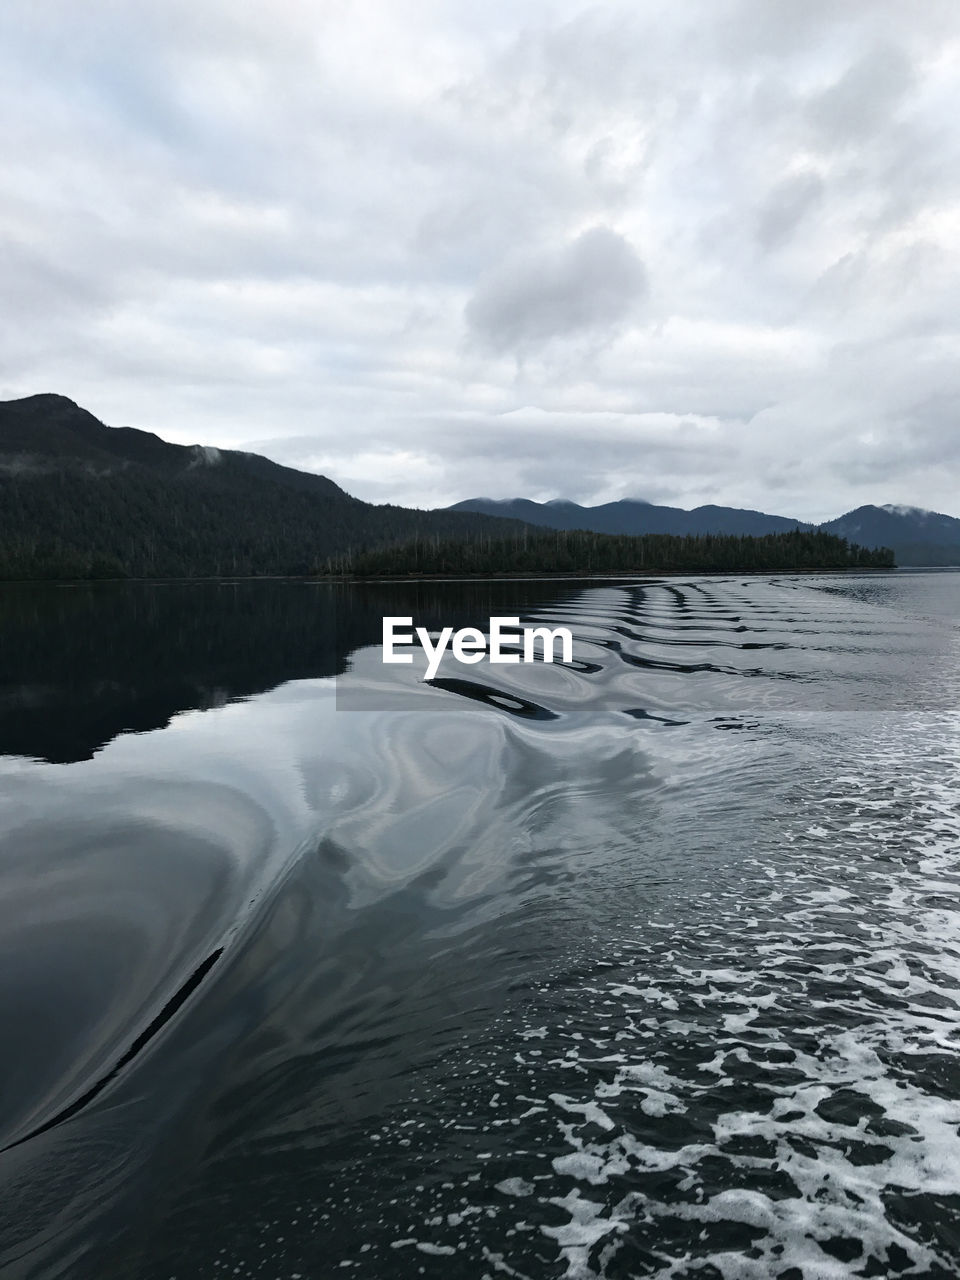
x,y
581,552
239,521
71,522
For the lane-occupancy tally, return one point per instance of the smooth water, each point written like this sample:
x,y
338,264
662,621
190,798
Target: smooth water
x,y
643,966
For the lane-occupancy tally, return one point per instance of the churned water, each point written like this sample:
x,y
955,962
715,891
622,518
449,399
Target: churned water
x,y
643,965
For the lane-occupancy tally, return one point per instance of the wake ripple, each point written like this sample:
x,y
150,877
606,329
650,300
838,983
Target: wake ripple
x,y
728,1045
763,1082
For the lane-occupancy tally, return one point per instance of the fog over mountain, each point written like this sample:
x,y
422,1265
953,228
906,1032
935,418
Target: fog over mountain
x,y
700,253
917,536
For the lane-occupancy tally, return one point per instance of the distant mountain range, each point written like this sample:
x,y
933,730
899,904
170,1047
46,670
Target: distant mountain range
x,y
917,537
79,499
632,516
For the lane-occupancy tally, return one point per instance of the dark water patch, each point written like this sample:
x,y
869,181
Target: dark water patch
x,y
638,713
82,663
173,1005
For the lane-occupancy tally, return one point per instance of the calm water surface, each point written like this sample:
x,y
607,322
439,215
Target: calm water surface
x,y
643,966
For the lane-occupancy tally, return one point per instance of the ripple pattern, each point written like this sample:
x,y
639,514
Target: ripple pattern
x,y
643,965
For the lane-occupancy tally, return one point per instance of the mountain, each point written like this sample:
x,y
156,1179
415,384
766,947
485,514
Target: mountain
x,y
632,516
46,433
917,536
81,499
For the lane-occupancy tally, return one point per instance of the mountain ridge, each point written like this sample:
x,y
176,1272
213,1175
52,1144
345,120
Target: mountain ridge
x,y
632,515
47,430
80,499
917,536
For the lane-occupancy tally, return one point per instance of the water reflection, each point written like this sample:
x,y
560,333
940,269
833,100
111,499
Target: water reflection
x,y
245,937
82,663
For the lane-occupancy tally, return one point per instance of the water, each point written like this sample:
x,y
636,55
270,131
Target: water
x,y
645,966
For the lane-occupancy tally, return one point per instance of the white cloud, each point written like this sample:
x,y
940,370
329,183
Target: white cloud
x,y
701,253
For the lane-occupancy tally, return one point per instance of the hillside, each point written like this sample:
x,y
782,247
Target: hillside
x,y
79,499
630,516
916,536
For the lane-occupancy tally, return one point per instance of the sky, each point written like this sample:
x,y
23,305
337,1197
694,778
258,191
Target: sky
x,y
698,252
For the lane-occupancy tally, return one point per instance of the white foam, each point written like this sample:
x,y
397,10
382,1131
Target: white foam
x,y
895,975
515,1187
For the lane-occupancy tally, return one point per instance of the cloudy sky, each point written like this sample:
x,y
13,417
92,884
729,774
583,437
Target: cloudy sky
x,y
691,252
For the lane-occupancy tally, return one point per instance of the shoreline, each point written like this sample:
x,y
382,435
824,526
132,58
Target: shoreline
x,y
559,576
580,575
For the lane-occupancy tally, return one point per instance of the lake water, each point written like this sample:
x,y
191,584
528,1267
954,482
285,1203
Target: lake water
x,y
647,965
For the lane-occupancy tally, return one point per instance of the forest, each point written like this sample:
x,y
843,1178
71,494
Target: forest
x,y
69,523
579,552
81,500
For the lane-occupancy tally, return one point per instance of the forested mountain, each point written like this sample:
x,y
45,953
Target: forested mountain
x,y
916,536
578,552
632,516
79,499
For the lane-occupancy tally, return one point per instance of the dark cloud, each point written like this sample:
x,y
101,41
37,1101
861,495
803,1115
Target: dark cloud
x,y
859,104
787,205
592,282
